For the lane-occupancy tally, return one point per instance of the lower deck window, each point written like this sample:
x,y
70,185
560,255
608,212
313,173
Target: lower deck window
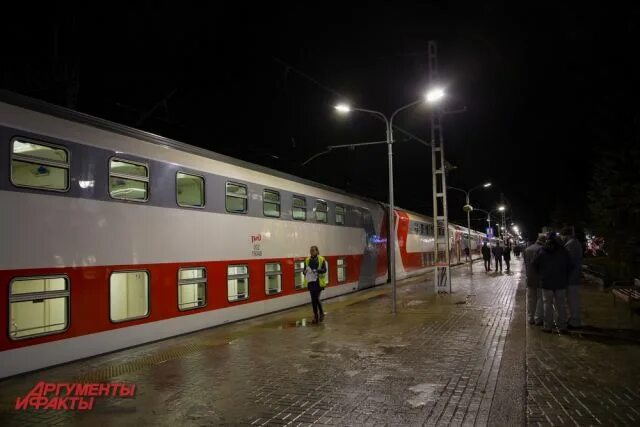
x,y
299,274
342,270
273,278
192,288
128,295
237,282
38,306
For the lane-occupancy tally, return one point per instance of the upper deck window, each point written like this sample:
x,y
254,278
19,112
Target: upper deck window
x,y
36,165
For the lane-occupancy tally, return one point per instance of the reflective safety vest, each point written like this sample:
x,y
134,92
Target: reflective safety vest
x,y
322,277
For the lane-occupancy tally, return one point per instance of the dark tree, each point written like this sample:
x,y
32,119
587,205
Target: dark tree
x,y
615,204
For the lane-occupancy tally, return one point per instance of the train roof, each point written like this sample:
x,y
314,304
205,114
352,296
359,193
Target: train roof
x,y
44,107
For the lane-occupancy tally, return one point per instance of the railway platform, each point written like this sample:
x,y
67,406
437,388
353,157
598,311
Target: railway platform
x,y
468,358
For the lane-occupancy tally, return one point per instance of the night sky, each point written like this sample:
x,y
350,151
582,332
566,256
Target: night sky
x,y
544,89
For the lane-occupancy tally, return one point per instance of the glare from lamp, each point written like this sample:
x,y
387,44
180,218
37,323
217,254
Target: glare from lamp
x,y
342,108
434,95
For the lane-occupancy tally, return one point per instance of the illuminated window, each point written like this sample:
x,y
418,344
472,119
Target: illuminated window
x,y
192,288
299,208
38,306
340,211
129,295
321,211
189,190
35,165
271,203
128,180
342,270
273,278
236,200
298,271
237,282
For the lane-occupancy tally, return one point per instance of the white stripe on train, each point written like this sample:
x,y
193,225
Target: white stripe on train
x,y
43,231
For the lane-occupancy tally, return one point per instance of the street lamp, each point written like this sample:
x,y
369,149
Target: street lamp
x,y
468,208
431,97
499,208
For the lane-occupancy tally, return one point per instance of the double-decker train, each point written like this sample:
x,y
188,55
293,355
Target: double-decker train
x,y
112,237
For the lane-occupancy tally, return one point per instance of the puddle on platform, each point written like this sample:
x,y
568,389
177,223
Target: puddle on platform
x,y
301,323
424,393
414,303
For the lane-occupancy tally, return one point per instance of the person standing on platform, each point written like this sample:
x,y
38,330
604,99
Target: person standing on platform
x,y
466,253
497,255
486,256
574,248
315,279
534,291
507,255
553,266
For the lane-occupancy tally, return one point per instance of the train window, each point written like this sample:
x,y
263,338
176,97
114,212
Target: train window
x,y
128,295
298,271
429,229
192,288
273,278
35,165
299,208
271,203
340,215
321,211
38,306
342,270
237,282
128,180
236,198
189,190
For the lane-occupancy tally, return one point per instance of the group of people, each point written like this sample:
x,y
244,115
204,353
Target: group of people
x,y
499,253
553,267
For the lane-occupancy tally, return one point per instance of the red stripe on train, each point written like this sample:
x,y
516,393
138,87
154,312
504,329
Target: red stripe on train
x,y
89,307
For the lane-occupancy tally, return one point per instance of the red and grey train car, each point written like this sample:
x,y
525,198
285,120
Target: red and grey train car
x,y
111,237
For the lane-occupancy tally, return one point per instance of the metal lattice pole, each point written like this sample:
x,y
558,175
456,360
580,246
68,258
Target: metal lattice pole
x,y
440,213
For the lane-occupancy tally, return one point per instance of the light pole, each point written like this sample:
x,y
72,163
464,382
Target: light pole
x,y
433,96
499,209
468,208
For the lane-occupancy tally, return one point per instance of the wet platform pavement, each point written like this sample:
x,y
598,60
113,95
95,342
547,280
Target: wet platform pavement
x,y
462,359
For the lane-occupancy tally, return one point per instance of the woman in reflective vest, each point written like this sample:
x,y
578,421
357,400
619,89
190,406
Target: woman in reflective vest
x,y
315,279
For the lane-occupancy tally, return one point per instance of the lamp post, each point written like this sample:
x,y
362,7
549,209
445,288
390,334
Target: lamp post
x,y
499,209
468,208
431,97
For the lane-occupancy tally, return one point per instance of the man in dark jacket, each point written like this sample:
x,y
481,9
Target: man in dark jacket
x,y
534,291
486,256
574,248
497,255
507,255
553,266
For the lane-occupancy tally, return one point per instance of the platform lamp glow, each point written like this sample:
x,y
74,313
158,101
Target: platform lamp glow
x,y
433,96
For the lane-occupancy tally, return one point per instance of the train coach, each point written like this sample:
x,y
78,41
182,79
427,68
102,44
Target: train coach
x,y
113,237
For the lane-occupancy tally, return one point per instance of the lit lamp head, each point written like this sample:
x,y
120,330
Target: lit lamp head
x,y
501,208
487,185
434,95
343,108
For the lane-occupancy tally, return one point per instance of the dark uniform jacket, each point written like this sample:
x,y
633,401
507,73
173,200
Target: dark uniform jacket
x,y
553,266
486,252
